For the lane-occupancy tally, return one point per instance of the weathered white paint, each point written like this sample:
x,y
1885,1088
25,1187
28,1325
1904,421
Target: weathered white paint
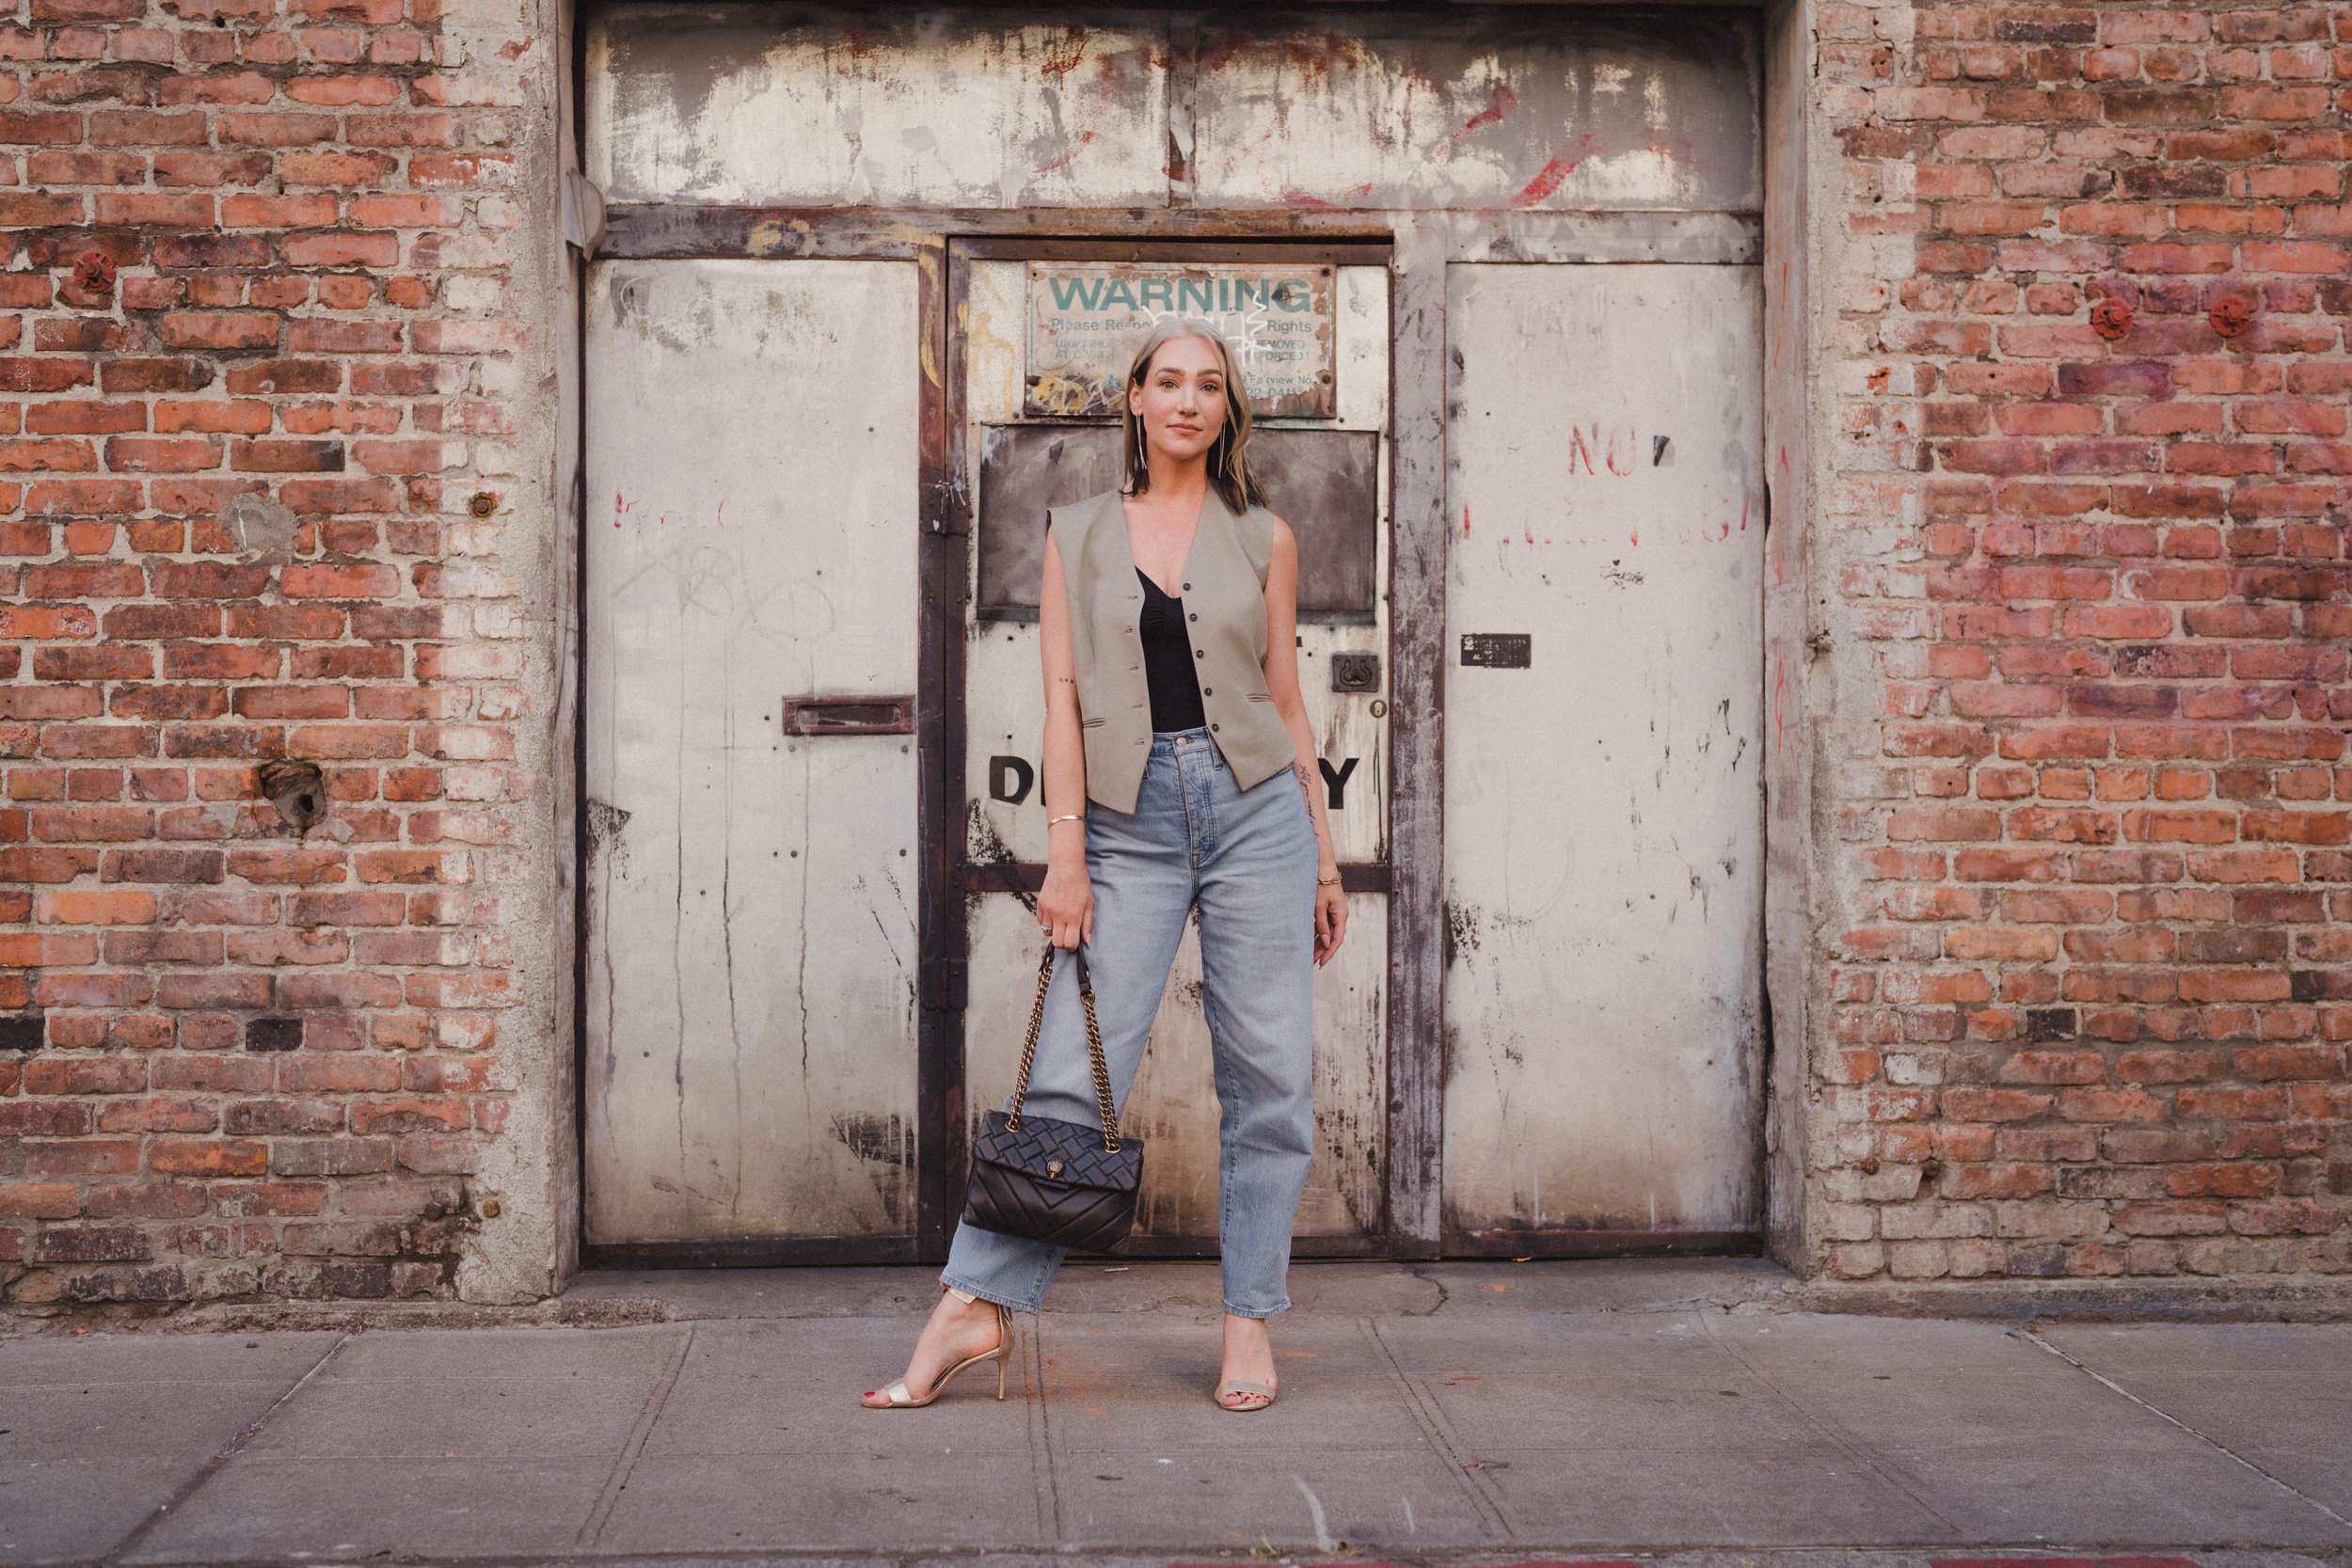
x,y
1603,807
752,535
1171,1104
1405,112
743,104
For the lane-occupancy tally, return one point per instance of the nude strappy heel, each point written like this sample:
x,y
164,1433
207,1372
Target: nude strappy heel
x,y
1257,1391
895,1395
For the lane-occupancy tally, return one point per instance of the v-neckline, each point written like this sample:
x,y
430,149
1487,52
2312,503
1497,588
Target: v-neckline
x,y
1183,568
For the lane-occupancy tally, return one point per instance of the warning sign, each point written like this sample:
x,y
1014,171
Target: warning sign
x,y
1088,318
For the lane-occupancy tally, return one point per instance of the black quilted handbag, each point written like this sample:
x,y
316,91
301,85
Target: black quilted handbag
x,y
1060,1181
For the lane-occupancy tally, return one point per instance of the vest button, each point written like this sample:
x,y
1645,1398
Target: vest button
x,y
1200,653
1208,692
1211,726
1194,616
1187,588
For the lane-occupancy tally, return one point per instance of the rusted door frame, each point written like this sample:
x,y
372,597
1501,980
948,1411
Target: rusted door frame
x,y
1417,247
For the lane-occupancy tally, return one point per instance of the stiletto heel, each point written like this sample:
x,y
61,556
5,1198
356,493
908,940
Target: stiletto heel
x,y
895,1396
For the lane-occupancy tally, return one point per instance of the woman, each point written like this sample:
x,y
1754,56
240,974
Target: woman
x,y
1178,771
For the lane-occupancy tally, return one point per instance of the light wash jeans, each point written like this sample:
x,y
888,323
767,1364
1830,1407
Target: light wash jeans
x,y
1249,858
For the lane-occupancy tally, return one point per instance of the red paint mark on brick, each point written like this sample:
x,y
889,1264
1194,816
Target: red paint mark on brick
x,y
1466,516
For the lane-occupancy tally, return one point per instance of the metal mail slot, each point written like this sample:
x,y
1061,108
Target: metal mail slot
x,y
849,716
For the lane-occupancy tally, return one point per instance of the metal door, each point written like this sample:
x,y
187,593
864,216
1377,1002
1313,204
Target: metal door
x,y
1603,806
750,693
1015,461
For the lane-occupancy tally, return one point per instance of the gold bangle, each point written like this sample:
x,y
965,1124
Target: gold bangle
x,y
1327,881
1065,816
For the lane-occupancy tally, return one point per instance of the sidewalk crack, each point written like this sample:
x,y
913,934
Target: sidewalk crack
x,y
1048,1479
2206,1438
625,1464
229,1450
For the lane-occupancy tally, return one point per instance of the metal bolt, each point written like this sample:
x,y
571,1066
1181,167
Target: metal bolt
x,y
483,504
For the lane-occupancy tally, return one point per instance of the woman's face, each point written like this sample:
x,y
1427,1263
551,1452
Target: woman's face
x,y
1181,404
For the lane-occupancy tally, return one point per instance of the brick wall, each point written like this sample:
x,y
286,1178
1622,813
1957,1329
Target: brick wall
x,y
2092,993
256,483
271,485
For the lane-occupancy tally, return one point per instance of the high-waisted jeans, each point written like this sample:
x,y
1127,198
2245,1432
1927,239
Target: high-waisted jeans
x,y
1249,858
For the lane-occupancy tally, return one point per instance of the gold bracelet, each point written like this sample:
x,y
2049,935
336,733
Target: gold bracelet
x,y
1067,817
1327,881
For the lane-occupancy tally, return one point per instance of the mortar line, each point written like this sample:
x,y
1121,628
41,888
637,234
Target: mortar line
x,y
228,1451
1440,1432
1853,1450
2213,1443
640,1431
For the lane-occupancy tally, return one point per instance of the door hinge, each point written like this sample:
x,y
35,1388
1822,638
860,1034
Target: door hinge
x,y
945,985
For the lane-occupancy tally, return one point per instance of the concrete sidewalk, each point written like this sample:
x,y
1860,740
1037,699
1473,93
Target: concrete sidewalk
x,y
1456,1411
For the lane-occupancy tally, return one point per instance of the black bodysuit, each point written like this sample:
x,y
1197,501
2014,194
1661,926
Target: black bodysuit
x,y
1168,660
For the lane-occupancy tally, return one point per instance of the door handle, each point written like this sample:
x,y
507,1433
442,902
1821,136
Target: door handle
x,y
815,716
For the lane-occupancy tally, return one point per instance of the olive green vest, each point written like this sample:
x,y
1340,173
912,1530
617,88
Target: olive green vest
x,y
1224,593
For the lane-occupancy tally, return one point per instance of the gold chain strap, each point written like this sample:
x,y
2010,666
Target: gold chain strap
x,y
1094,1050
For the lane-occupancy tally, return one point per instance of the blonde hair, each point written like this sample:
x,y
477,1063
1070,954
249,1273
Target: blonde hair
x,y
1236,482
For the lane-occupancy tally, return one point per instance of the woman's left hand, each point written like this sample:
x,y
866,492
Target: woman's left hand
x,y
1330,921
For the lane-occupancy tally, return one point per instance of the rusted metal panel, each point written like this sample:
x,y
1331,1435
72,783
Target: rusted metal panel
x,y
749,104
1602,800
750,903
1501,110
1087,317
644,230
1172,1106
1416,600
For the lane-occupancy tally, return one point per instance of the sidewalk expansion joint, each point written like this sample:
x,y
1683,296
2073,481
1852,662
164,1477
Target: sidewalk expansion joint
x,y
1439,1433
1855,1451
2206,1438
640,1431
228,1451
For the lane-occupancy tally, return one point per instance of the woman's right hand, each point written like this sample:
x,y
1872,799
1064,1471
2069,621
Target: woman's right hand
x,y
1065,905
